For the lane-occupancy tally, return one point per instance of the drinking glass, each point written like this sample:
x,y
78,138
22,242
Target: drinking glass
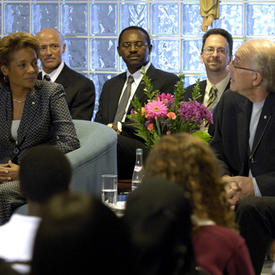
x,y
109,189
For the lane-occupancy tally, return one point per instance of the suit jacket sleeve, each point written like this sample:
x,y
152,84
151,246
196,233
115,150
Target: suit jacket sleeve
x,y
64,134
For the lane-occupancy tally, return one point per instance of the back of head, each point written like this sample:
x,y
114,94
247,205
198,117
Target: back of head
x,y
158,216
77,234
44,172
189,162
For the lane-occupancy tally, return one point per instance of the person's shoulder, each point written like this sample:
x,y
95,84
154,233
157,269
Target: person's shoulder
x,y
118,78
47,88
161,73
74,75
219,234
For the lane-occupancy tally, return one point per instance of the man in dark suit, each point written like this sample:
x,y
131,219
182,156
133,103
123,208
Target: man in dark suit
x,y
80,91
245,146
134,46
216,53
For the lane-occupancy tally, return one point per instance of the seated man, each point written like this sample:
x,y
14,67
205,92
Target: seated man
x,y
134,46
44,171
245,145
216,54
79,90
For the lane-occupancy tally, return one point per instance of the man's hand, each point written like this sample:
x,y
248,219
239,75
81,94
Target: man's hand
x,y
9,171
238,187
114,126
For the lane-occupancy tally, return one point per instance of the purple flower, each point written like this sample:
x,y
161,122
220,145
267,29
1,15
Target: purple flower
x,y
195,111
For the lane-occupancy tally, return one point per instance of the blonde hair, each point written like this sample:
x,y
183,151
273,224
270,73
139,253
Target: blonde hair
x,y
14,42
189,162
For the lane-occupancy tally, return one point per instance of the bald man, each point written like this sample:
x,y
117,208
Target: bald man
x,y
245,145
80,91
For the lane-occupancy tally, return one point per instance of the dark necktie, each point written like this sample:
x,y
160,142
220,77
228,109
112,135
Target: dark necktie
x,y
213,93
46,77
124,100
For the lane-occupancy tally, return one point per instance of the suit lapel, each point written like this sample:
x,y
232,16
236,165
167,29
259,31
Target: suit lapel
x,y
116,93
244,107
264,120
32,105
39,76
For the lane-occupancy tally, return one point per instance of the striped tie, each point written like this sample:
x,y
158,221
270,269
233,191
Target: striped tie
x,y
121,110
212,97
47,77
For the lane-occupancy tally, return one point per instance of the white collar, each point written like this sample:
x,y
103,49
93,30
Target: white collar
x,y
55,73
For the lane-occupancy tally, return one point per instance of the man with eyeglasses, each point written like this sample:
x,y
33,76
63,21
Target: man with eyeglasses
x,y
216,53
244,143
80,91
134,46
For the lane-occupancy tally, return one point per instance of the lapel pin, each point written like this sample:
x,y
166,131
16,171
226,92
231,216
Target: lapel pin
x,y
33,103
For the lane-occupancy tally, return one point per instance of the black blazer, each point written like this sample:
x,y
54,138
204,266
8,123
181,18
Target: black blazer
x,y
161,80
45,120
80,93
231,140
202,85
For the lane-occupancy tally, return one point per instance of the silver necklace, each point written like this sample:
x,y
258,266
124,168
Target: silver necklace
x,y
19,100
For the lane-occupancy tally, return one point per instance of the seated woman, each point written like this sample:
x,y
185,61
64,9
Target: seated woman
x,y
32,112
188,161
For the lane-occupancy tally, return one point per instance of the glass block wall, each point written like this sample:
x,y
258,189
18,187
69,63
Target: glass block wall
x,y
91,29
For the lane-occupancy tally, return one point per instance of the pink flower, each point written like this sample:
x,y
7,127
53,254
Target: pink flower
x,y
168,132
165,97
150,126
172,115
155,109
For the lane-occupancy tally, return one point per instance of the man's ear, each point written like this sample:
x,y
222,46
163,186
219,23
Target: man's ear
x,y
201,57
230,59
257,79
150,49
4,70
63,48
118,50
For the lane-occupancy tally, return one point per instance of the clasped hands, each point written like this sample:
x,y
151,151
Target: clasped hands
x,y
114,126
8,171
237,188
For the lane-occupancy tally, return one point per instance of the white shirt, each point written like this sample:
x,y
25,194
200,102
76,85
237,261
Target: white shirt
x,y
220,86
17,237
137,79
54,74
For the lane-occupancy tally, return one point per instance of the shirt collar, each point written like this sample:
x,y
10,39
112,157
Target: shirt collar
x,y
137,75
55,73
220,85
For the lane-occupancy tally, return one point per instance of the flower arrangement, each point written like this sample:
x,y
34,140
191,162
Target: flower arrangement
x,y
165,114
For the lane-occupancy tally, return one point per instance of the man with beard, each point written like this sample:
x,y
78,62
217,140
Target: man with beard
x,y
216,54
134,46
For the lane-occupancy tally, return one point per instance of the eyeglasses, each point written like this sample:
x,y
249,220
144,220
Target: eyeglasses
x,y
235,66
211,50
137,44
